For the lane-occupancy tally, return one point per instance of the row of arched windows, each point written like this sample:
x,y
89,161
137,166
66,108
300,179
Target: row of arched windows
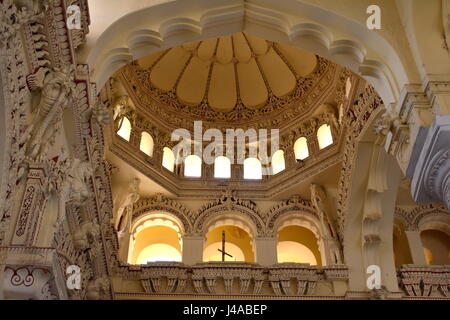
x,y
159,239
222,165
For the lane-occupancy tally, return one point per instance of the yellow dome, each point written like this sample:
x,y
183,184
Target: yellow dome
x,y
224,70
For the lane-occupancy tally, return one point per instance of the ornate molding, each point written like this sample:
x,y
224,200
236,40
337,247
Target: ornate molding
x,y
431,172
239,279
174,114
229,202
430,281
355,122
414,217
161,203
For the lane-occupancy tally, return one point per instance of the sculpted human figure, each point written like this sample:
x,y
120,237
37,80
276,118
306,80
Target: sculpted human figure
x,y
78,181
125,209
56,94
121,108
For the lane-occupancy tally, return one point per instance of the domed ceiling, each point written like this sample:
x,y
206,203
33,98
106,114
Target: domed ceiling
x,y
238,78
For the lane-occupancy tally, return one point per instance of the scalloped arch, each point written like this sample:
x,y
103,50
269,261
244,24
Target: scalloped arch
x,y
167,208
277,214
249,219
166,25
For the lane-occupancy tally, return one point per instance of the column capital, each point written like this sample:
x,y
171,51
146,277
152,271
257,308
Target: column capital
x,y
431,172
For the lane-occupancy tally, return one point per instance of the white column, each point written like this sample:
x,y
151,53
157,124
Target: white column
x,y
415,247
193,249
266,251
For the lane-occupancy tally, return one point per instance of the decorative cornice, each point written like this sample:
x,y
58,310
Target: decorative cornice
x,y
164,107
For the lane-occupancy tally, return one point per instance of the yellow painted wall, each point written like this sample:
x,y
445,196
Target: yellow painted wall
x,y
154,235
438,243
234,235
301,235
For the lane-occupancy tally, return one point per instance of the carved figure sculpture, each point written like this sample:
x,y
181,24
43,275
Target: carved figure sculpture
x,y
56,94
86,235
125,209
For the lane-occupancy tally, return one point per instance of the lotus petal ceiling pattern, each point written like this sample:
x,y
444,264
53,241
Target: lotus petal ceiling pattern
x,y
225,71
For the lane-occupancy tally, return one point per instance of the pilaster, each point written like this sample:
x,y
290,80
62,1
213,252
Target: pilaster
x,y
415,247
266,250
193,249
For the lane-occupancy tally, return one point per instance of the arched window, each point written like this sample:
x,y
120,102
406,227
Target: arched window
x,y
125,129
193,166
158,240
301,149
146,143
222,168
278,163
436,246
292,251
168,160
324,136
252,169
158,252
238,243
298,244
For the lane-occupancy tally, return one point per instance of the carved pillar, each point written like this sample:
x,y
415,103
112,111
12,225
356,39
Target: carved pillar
x,y
289,156
124,246
193,249
430,164
266,250
31,209
415,247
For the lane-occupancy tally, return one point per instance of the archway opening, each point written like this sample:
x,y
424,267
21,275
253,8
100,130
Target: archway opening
x,y
168,160
301,148
156,243
125,129
298,244
238,243
278,162
252,169
193,166
324,136
147,144
222,168
436,246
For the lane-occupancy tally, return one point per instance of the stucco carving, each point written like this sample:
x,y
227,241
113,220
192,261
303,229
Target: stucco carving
x,y
56,94
229,202
414,217
161,203
125,207
330,237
